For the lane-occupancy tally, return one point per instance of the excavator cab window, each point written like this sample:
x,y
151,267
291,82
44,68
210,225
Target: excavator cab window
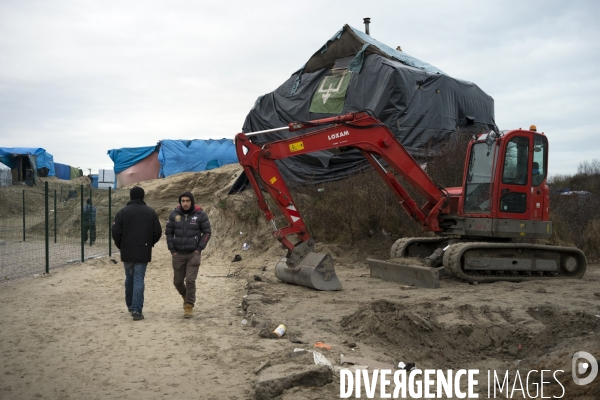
x,y
540,150
479,178
515,161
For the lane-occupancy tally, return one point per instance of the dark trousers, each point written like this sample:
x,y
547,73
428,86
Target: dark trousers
x,y
185,271
89,226
134,285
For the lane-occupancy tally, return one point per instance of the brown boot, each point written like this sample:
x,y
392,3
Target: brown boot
x,y
189,310
183,297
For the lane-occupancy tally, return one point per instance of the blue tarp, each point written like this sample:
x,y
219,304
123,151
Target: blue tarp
x,y
126,157
63,171
43,159
177,156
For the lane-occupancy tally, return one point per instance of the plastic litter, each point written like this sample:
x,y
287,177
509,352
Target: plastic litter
x,y
321,360
321,345
408,367
246,246
244,321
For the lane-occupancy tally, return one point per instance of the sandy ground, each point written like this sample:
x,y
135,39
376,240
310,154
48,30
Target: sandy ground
x,y
69,335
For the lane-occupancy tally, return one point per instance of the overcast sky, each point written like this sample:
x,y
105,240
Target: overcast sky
x,y
78,78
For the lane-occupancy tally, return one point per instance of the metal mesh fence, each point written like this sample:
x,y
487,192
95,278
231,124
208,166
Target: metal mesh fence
x,y
45,227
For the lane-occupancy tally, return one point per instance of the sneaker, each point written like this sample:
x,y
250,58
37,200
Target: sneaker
x,y
189,311
137,315
130,311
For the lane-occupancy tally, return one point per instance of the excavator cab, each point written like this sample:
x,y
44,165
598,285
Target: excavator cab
x,y
506,176
505,179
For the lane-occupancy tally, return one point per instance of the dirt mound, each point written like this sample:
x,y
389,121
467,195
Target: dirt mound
x,y
446,335
235,220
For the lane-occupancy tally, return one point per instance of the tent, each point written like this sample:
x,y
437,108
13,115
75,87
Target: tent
x,y
66,172
177,156
146,169
27,163
126,162
170,157
420,104
62,171
5,176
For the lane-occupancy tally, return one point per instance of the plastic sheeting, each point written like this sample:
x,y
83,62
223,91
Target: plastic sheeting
x,y
177,156
422,106
43,159
5,176
76,172
62,171
126,157
146,169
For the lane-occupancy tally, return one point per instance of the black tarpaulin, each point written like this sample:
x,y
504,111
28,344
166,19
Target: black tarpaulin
x,y
422,106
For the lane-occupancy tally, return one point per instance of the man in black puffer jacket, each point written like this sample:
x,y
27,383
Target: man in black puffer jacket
x,y
188,232
136,230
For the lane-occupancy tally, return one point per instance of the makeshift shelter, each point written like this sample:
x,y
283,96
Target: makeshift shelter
x,y
177,156
170,157
421,105
62,171
106,179
66,172
5,176
135,164
27,163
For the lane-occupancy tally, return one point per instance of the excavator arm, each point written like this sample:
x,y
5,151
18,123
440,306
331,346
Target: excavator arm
x,y
353,130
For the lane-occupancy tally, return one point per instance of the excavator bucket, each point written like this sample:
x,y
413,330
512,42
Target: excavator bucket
x,y
405,271
314,271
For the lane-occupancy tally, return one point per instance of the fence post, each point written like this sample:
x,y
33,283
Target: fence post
x,y
47,223
81,217
23,215
91,213
109,222
55,215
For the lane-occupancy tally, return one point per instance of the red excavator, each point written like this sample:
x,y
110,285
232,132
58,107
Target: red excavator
x,y
503,197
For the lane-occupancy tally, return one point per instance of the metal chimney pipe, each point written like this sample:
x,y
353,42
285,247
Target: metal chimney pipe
x,y
367,22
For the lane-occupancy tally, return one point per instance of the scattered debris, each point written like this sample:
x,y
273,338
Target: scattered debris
x,y
237,258
280,330
257,278
408,367
321,345
320,359
246,246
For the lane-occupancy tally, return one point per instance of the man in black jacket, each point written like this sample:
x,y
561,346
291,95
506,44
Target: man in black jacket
x,y
188,231
135,230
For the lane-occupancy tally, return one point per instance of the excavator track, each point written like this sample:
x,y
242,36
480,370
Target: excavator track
x,y
420,247
492,262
